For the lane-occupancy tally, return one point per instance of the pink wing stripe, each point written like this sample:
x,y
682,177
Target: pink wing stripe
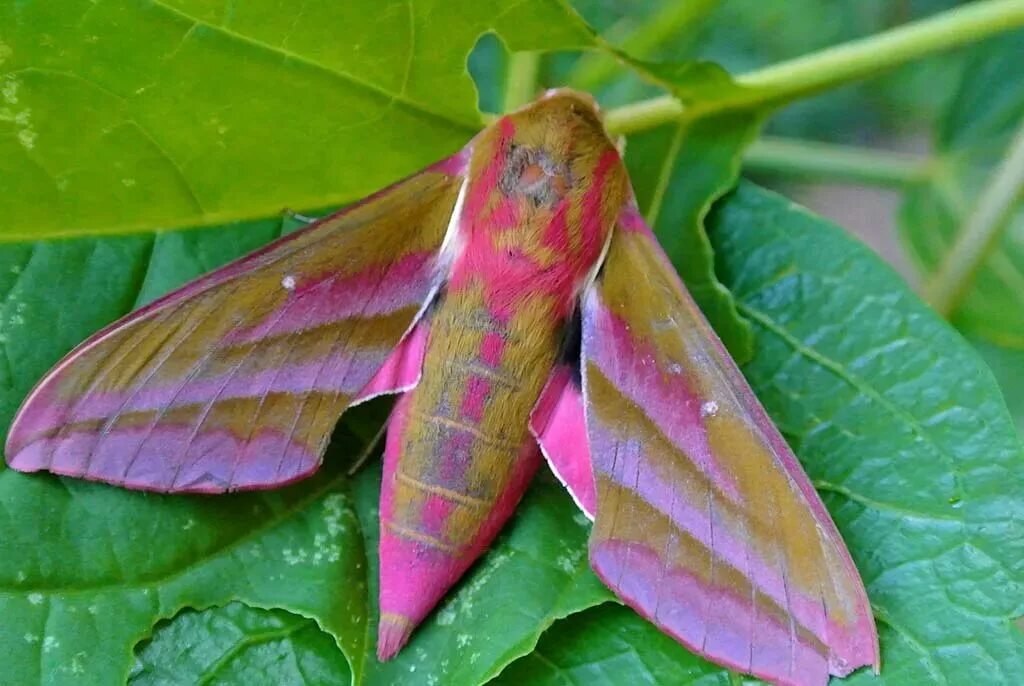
x,y
668,400
123,462
559,425
308,308
631,220
635,471
377,290
402,370
637,574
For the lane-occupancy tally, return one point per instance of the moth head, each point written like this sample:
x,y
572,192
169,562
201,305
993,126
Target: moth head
x,y
551,146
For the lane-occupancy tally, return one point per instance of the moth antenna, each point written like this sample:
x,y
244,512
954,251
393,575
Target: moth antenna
x,y
370,447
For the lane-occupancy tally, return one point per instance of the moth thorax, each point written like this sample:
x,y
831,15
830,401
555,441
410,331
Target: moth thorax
x,y
533,174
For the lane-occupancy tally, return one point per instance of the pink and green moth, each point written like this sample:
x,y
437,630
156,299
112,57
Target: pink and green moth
x,y
514,298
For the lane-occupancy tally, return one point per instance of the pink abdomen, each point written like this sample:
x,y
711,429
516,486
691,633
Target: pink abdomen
x,y
459,455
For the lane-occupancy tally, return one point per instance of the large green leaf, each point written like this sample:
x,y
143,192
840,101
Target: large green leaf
x,y
239,645
972,138
1008,366
121,115
902,429
606,646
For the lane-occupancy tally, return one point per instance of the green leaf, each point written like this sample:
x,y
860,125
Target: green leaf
x,y
124,116
239,645
86,570
609,645
902,430
972,138
1007,364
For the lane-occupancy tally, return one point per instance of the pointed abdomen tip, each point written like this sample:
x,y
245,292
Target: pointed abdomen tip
x,y
392,634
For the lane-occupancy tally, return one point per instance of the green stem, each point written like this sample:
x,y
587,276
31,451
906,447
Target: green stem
x,y
981,230
828,161
594,69
843,63
521,84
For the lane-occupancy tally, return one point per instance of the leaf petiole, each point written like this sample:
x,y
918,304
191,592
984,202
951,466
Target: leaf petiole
x,y
843,63
980,231
832,162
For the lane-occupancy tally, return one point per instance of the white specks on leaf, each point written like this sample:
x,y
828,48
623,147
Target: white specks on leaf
x,y
569,561
709,409
27,138
188,524
446,616
581,519
327,544
462,640
128,183
294,557
21,575
5,52
9,90
35,598
50,643
31,638
22,119
76,665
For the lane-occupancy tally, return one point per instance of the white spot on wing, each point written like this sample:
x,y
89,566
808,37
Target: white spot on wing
x,y
288,282
709,409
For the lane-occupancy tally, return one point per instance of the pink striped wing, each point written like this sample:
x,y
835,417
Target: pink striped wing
x,y
705,522
236,380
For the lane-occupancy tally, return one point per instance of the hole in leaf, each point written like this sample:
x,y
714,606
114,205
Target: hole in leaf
x,y
487,64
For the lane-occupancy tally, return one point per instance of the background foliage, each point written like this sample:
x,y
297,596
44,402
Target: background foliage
x,y
143,144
